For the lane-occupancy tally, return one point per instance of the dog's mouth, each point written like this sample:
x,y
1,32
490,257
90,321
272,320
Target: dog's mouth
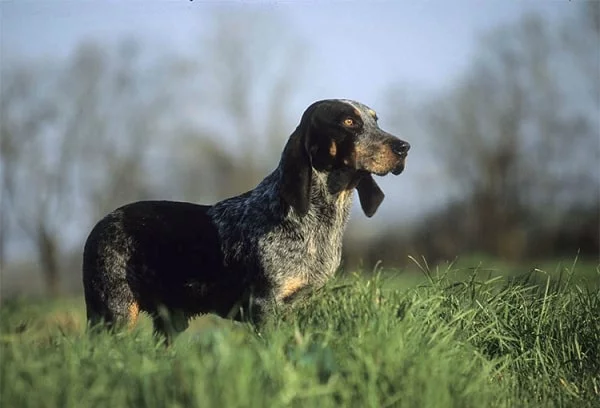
x,y
398,170
395,171
400,166
391,164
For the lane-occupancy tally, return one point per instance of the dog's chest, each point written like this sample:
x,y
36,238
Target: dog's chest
x,y
303,250
308,249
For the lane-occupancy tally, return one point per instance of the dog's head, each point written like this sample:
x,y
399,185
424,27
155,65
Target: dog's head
x,y
342,137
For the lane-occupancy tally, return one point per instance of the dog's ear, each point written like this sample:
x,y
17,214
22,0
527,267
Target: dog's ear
x,y
370,195
297,172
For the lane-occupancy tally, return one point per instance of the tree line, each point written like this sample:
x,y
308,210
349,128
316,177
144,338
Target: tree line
x,y
516,138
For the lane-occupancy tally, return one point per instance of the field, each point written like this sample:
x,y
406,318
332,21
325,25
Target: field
x,y
453,336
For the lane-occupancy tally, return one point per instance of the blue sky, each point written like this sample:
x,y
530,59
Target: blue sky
x,y
357,50
422,42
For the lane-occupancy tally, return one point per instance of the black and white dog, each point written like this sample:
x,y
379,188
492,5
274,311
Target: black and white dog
x,y
244,255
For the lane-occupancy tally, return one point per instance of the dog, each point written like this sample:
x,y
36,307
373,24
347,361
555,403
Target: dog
x,y
249,254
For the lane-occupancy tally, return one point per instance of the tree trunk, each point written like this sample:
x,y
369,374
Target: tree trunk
x,y
49,261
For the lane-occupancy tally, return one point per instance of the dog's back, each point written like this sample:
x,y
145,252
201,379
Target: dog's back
x,y
155,253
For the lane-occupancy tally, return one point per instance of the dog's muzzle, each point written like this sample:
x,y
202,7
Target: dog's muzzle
x,y
400,148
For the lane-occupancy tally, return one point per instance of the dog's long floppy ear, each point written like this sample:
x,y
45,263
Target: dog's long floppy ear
x,y
297,172
370,195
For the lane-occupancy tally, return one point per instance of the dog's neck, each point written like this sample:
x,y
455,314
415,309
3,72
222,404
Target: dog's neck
x,y
330,195
309,243
330,201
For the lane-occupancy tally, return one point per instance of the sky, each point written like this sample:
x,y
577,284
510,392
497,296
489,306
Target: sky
x,y
423,42
357,50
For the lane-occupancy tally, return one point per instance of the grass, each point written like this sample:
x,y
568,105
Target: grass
x,y
462,338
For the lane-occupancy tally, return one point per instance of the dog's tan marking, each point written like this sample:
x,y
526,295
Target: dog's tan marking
x,y
333,149
360,151
373,114
378,160
134,312
342,199
357,112
343,196
289,287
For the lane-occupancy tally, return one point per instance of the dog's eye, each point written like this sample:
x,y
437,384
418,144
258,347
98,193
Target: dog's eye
x,y
349,122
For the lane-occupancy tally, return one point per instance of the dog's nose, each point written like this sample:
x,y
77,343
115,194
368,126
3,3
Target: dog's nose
x,y
400,147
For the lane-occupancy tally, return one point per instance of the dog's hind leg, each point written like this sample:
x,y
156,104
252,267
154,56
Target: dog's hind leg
x,y
169,323
98,315
120,309
133,312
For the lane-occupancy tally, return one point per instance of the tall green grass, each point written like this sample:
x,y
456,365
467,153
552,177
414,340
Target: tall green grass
x,y
479,341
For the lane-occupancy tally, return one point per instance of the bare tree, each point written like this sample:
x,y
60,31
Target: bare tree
x,y
517,134
74,142
249,69
83,136
127,105
26,112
